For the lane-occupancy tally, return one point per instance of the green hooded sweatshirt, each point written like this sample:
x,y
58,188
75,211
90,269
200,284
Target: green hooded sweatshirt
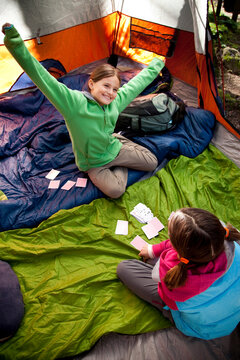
x,y
90,126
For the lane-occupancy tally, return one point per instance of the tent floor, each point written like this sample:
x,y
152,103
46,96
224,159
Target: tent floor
x,y
161,345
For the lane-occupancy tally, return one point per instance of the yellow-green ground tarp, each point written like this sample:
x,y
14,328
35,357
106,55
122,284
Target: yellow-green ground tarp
x,y
67,265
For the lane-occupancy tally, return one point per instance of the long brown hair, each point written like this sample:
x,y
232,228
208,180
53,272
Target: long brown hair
x,y
198,236
104,71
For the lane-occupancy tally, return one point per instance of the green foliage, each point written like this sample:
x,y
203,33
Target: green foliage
x,y
228,97
228,29
231,102
222,29
223,20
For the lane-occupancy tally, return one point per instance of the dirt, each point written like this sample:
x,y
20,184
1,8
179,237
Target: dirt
x,y
232,105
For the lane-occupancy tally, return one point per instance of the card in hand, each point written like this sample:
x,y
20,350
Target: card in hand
x,y
138,243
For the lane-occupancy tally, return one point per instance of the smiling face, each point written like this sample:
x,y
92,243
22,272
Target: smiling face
x,y
105,90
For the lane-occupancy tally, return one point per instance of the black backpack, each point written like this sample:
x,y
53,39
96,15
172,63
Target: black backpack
x,y
150,114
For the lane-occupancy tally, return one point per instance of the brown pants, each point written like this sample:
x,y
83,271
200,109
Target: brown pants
x,y
111,178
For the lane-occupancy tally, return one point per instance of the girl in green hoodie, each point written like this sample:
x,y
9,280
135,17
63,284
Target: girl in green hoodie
x,y
91,116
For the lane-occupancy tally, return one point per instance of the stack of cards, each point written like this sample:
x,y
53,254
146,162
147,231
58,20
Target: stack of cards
x,y
142,213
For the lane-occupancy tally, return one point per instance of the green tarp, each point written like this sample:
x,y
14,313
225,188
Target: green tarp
x,y
67,265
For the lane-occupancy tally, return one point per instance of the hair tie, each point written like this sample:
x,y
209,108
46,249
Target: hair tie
x,y
227,232
183,260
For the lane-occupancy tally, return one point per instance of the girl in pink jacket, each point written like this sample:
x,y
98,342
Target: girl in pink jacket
x,y
195,280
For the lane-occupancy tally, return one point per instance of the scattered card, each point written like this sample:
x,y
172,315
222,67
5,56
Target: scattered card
x,y
81,182
173,212
52,174
122,227
68,185
54,184
156,223
138,243
150,231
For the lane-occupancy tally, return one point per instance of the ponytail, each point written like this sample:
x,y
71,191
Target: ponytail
x,y
176,276
232,234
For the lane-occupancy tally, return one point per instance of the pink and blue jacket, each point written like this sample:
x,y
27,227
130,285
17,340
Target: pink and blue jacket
x,y
208,305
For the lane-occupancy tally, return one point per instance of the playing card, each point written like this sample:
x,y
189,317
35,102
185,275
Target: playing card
x,y
54,184
52,174
81,182
156,223
138,243
68,185
122,227
150,231
173,212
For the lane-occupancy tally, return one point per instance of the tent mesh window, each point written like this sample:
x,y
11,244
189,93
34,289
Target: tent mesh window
x,y
152,37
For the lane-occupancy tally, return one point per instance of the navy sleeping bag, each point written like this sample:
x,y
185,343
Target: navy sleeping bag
x,y
34,140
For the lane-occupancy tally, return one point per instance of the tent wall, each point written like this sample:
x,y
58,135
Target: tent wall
x,y
178,15
186,64
73,47
44,17
207,92
92,30
78,32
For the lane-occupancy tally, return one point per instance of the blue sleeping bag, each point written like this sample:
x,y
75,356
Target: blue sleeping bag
x,y
34,140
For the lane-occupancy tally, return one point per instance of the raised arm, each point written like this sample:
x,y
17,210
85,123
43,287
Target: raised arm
x,y
136,85
57,93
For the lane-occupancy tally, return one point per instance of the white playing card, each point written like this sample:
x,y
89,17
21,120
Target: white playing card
x,y
52,174
156,223
122,227
173,212
68,185
150,231
138,243
54,184
81,182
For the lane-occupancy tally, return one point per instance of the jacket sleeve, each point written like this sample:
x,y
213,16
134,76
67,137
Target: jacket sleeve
x,y
136,85
57,93
157,249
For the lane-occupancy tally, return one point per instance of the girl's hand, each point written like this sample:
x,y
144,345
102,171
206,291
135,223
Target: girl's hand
x,y
3,27
144,253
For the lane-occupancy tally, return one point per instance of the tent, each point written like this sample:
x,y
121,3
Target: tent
x,y
61,244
